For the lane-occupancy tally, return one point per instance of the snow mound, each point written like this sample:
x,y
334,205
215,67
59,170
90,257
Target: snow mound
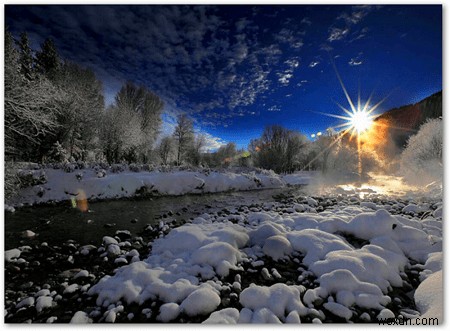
x,y
371,264
168,312
80,317
172,272
222,256
429,297
338,310
370,225
315,244
259,316
277,247
280,299
348,289
201,302
224,316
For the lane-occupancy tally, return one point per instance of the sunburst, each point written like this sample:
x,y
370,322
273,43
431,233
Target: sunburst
x,y
357,120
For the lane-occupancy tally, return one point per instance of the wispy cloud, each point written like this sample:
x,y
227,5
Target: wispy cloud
x,y
306,21
338,33
290,37
285,76
274,108
350,18
356,61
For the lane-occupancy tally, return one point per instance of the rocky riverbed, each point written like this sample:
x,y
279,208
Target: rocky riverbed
x,y
50,283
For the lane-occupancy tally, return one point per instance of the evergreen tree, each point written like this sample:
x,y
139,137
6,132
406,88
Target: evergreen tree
x,y
30,108
26,56
11,54
47,59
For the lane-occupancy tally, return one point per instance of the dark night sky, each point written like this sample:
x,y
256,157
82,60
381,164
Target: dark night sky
x,y
236,69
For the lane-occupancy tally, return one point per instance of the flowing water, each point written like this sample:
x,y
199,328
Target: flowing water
x,y
56,224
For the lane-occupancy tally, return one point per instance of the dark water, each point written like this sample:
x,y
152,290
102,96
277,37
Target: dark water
x,y
56,224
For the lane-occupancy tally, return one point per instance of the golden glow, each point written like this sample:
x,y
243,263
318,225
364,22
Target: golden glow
x,y
361,121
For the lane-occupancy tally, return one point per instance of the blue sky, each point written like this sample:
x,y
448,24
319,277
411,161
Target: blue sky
x,y
236,69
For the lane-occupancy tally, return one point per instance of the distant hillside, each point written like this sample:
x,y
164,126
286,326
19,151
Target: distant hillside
x,y
406,120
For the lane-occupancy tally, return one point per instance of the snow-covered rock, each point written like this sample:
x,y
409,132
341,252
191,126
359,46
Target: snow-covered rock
x,y
200,302
224,316
81,274
315,244
168,312
338,310
25,302
277,247
385,314
12,254
365,295
43,302
429,297
279,299
80,317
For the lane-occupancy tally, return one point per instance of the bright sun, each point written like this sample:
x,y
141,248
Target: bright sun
x,y
361,120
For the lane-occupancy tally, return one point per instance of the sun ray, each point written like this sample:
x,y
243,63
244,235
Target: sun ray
x,y
341,135
359,95
335,116
350,102
340,125
344,109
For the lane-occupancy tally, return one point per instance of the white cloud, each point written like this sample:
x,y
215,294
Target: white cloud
x,y
313,64
355,62
274,108
306,21
337,33
351,18
212,143
289,37
285,76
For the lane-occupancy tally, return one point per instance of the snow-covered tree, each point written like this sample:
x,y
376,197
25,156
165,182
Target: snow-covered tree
x,y
184,137
30,107
121,134
80,109
148,106
421,161
195,152
166,150
279,149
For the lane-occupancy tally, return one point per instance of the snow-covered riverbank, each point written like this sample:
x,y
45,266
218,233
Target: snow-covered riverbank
x,y
300,258
186,268
57,185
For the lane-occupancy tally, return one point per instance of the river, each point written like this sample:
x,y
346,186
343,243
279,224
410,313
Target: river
x,y
56,224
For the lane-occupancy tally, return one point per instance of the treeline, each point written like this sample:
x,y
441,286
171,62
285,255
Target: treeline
x,y
55,113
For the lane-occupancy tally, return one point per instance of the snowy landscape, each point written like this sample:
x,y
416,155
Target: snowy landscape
x,y
124,203
350,255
